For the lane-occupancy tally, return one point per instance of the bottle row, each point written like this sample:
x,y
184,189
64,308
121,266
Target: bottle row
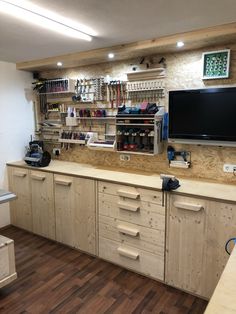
x,y
135,139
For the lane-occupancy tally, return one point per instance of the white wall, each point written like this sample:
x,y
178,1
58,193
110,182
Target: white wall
x,y
16,122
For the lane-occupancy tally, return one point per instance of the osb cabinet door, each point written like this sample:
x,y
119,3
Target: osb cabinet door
x,y
43,214
19,183
64,209
186,236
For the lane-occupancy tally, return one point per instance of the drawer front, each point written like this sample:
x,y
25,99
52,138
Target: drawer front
x,y
142,213
132,258
143,238
129,192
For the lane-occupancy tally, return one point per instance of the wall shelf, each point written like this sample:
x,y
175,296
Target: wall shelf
x,y
96,118
71,141
136,124
135,153
58,86
149,74
140,134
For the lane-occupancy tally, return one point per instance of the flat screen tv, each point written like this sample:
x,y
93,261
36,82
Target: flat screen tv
x,y
203,116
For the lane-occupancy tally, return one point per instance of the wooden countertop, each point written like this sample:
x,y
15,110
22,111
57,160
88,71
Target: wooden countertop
x,y
223,300
207,189
89,171
188,187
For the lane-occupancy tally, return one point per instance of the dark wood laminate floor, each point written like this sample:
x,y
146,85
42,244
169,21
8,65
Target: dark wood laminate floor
x,y
53,278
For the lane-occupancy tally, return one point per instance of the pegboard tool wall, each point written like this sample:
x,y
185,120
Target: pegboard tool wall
x,y
184,71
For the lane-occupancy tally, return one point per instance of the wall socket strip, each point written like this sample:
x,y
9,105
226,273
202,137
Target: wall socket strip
x,y
229,168
124,157
56,151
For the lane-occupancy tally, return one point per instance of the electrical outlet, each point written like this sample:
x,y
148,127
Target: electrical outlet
x,y
229,168
124,157
56,151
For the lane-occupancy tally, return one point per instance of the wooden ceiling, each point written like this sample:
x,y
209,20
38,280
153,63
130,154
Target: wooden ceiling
x,y
217,35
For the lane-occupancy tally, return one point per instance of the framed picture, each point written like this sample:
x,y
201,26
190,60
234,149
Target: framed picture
x,y
216,64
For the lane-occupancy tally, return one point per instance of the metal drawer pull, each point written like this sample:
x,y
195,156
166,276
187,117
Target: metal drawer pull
x,y
38,177
188,206
63,182
132,208
128,230
128,194
127,253
20,174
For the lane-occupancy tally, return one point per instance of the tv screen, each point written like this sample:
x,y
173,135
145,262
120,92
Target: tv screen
x,y
203,115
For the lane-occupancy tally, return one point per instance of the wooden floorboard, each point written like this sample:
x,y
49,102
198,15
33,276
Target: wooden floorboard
x,y
53,278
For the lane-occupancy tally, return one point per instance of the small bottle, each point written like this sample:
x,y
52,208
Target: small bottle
x,y
68,112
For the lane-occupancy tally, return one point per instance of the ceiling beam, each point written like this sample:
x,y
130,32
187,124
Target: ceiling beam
x,y
216,35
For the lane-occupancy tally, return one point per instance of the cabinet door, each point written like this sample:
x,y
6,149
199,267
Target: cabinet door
x,y
186,236
19,183
43,215
197,231
64,209
75,204
85,213
220,226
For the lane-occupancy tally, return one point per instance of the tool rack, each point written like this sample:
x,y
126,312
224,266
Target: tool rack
x,y
95,103
140,133
58,86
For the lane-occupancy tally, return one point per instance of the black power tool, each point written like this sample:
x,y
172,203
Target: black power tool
x,y
35,155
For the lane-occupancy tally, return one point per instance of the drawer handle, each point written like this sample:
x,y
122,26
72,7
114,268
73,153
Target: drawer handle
x,y
188,206
132,195
38,177
19,174
132,208
63,182
128,253
128,230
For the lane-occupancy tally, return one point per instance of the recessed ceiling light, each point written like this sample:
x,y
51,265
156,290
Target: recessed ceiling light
x,y
180,44
59,64
30,13
111,55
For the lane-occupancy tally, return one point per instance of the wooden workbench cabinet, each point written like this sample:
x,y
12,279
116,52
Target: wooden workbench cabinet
x,y
58,207
181,244
197,230
33,210
132,228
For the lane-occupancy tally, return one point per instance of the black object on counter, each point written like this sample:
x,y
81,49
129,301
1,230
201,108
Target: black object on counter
x,y
35,155
169,184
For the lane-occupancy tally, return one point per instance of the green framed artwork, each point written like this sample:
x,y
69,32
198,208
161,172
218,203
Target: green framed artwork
x,y
216,64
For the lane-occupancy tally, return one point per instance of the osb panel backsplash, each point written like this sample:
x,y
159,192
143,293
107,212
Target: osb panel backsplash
x,y
184,71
